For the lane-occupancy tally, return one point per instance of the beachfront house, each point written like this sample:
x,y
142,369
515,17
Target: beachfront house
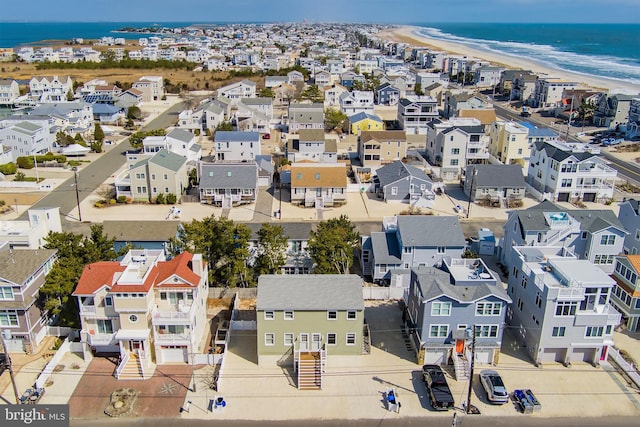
x,y
548,92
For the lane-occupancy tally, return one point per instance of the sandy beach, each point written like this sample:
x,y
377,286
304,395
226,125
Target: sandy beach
x,y
409,34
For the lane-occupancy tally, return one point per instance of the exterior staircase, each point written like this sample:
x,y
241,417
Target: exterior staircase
x,y
461,366
132,369
310,371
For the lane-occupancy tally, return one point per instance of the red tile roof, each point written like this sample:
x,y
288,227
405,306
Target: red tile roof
x,y
99,274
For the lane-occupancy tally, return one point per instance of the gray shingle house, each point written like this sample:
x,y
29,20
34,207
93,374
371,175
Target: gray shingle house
x,y
444,303
496,183
409,241
228,184
629,216
22,319
401,182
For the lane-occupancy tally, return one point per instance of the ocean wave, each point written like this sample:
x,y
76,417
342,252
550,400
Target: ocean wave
x,y
612,67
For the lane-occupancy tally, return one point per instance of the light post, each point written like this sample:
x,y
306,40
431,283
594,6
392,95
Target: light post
x,y
473,356
75,177
35,163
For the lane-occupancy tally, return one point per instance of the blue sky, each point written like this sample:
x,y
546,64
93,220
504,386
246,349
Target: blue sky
x,y
383,11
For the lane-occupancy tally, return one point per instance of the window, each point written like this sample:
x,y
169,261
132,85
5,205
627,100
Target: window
x,y
351,315
166,177
538,300
603,259
441,249
288,338
140,176
453,162
486,331
455,151
558,331
439,331
566,183
351,339
288,315
594,331
332,315
153,176
566,308
133,318
269,315
608,239
9,318
441,309
608,330
331,339
583,235
6,293
269,339
488,309
108,301
105,326
394,191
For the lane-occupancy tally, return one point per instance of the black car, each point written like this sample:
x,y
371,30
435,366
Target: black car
x,y
439,393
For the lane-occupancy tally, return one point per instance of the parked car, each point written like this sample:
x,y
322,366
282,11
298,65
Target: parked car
x,y
493,385
612,141
439,393
266,136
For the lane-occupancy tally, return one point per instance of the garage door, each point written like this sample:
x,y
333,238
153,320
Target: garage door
x,y
436,357
583,355
554,354
589,197
563,197
483,356
176,354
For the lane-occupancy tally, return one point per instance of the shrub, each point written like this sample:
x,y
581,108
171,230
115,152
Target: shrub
x,y
99,204
2,203
171,198
160,200
112,201
25,162
8,169
122,199
61,158
19,177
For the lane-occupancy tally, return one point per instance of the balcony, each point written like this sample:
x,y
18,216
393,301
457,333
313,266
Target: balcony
x,y
172,339
172,315
600,316
100,339
87,310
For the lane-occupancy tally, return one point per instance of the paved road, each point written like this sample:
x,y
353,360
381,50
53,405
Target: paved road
x,y
391,421
93,175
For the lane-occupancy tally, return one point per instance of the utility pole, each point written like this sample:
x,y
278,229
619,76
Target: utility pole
x,y
473,181
473,356
570,116
9,365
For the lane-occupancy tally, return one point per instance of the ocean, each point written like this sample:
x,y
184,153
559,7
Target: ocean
x,y
603,50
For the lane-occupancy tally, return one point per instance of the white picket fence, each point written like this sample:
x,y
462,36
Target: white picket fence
x,y
55,360
628,369
382,293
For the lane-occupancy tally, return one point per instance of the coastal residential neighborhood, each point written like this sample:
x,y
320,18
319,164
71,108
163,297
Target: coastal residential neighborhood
x,y
313,221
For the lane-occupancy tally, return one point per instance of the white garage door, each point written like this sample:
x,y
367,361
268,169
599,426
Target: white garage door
x,y
583,355
176,354
435,357
483,356
554,354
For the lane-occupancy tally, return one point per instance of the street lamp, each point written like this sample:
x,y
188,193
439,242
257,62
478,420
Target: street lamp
x,y
472,332
35,162
75,177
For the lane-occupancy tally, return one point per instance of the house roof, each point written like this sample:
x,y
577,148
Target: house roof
x,y
532,219
311,135
385,248
181,135
398,170
495,176
383,135
362,116
168,160
485,115
318,175
310,292
141,231
105,273
18,266
436,283
228,175
292,230
559,155
236,136
105,109
429,230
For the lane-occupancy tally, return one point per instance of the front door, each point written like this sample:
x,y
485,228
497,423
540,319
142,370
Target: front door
x,y
316,342
603,354
304,342
134,346
459,346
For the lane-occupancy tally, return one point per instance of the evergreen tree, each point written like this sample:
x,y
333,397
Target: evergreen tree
x,y
332,246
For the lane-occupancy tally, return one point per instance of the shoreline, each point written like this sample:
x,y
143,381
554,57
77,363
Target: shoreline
x,y
409,34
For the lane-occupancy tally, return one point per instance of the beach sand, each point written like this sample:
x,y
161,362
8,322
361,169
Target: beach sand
x,y
409,34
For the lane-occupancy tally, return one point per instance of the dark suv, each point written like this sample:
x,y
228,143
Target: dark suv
x,y
439,393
